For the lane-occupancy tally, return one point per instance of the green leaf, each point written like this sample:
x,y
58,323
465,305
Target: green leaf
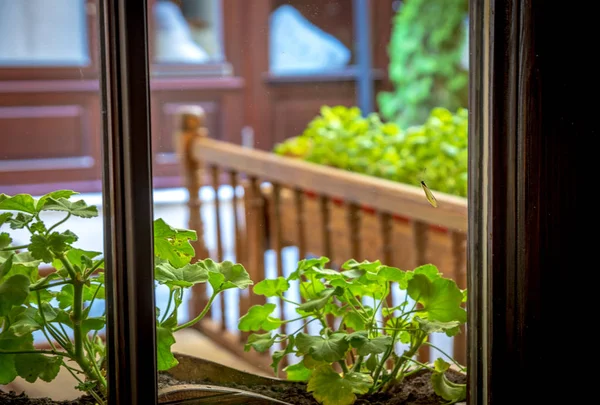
x,y
10,342
8,372
225,275
271,288
441,298
77,257
372,362
89,324
44,248
330,388
76,208
318,303
58,194
30,320
260,342
5,240
258,318
19,202
184,277
173,244
164,357
392,274
13,292
327,348
366,346
34,366
430,326
278,355
364,265
297,372
354,321
4,217
307,264
22,263
6,266
442,386
38,227
66,296
20,221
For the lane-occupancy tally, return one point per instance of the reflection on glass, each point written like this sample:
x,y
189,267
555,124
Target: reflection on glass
x,y
187,31
42,32
299,46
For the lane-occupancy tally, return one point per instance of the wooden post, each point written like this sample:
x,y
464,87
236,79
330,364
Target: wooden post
x,y
190,124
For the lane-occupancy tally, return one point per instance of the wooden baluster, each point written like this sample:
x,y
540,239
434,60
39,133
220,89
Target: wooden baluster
x,y
190,124
353,218
233,178
256,237
300,223
326,226
236,220
219,254
300,228
385,223
276,245
458,242
326,232
420,240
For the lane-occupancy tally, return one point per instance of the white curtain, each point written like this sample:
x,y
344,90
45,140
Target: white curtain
x,y
43,32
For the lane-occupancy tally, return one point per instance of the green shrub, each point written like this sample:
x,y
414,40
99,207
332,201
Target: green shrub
x,y
435,151
426,48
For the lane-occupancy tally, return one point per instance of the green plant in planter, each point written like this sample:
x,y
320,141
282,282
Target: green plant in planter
x,y
30,303
361,340
435,151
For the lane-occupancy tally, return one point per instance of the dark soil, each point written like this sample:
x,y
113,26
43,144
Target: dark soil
x,y
414,390
12,398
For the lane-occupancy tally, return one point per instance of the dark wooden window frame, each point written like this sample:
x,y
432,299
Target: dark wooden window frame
x,y
521,196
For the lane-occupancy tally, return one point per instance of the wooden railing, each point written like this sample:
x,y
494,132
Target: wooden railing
x,y
320,210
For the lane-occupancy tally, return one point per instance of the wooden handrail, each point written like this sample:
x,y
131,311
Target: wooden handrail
x,y
379,194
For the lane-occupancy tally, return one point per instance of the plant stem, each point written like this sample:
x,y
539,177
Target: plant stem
x,y
77,318
45,324
46,286
58,223
88,309
91,355
302,327
33,351
164,317
288,300
462,368
93,269
342,363
199,317
8,249
68,266
358,363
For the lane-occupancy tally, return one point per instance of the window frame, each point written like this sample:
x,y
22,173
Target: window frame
x,y
516,195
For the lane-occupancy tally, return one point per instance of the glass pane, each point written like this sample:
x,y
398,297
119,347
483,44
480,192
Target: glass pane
x,y
52,302
187,31
43,33
356,114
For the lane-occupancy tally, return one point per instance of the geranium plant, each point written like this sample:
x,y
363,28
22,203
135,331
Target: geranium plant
x,y
356,350
59,304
